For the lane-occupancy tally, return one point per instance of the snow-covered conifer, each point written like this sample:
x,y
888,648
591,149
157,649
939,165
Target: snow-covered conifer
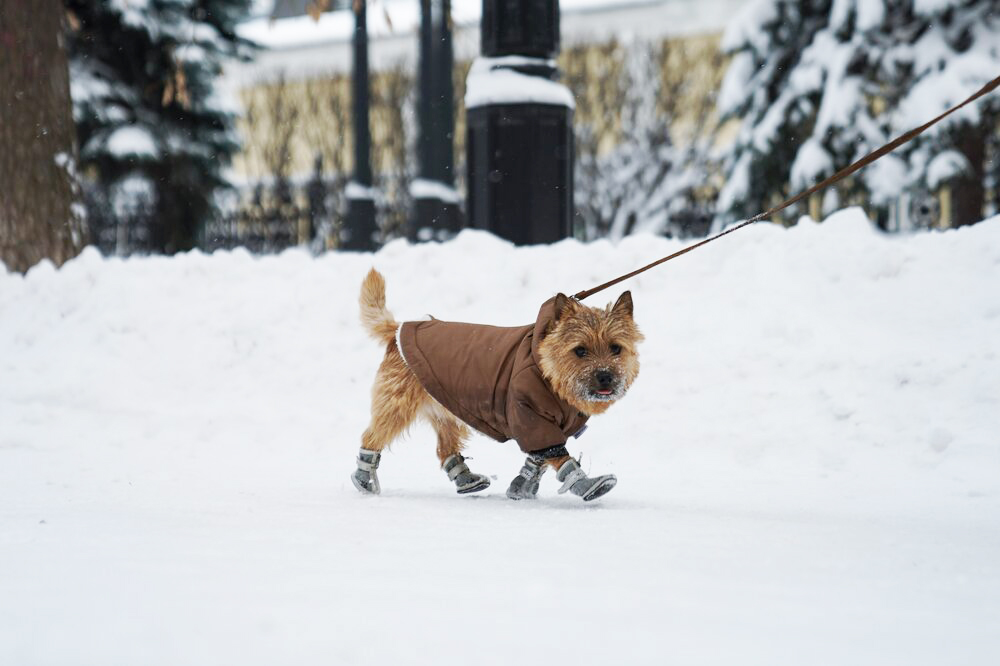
x,y
145,106
817,84
643,181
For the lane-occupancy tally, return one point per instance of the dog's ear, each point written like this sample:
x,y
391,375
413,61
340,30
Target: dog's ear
x,y
563,304
624,304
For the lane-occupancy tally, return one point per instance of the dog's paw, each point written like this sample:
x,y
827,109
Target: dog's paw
x,y
472,484
366,482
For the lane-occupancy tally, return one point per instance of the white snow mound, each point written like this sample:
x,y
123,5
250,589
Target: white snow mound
x,y
808,464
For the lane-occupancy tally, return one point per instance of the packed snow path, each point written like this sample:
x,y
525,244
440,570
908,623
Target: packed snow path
x,y
808,464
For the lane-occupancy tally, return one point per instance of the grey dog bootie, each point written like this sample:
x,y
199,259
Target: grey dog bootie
x,y
465,480
576,481
525,484
365,478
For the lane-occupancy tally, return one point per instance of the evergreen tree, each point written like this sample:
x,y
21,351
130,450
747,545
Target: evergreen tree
x,y
150,126
942,51
819,83
645,182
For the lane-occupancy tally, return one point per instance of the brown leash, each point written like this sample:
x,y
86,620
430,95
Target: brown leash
x,y
840,175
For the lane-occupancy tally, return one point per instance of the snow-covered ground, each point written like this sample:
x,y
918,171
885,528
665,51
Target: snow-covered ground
x,y
808,464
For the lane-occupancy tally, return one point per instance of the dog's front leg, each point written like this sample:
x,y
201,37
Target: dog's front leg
x,y
525,484
568,471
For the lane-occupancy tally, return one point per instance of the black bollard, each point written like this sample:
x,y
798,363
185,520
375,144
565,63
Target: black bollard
x,y
360,232
436,213
519,143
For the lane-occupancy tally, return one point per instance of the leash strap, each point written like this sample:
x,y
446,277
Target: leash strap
x,y
840,175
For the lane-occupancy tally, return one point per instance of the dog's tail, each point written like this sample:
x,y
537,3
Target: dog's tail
x,y
374,316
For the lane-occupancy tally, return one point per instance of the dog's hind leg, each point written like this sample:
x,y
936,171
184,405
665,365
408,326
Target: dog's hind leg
x,y
396,398
452,435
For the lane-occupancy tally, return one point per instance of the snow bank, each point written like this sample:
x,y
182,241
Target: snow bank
x,y
809,466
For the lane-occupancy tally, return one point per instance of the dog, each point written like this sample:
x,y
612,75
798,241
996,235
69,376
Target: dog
x,y
537,384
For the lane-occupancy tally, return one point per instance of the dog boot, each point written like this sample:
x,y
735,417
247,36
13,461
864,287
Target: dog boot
x,y
525,484
576,481
465,481
364,478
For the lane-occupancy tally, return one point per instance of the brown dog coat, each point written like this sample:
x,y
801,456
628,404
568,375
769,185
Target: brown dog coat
x,y
489,377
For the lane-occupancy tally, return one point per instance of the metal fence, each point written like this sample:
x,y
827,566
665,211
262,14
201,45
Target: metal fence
x,y
264,217
268,218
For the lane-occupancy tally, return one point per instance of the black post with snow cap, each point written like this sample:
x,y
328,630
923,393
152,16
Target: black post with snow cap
x,y
360,230
519,142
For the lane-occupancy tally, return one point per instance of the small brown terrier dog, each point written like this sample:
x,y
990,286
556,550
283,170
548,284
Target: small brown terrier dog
x,y
537,384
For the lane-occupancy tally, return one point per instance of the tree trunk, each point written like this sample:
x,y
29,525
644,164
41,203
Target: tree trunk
x,y
37,138
969,192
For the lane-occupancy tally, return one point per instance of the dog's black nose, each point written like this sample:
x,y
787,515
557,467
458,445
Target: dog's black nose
x,y
604,378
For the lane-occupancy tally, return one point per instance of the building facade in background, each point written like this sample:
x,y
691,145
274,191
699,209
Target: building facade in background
x,y
646,75
296,105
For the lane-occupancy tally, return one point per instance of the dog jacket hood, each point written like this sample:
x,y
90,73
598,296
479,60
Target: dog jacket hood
x,y
489,377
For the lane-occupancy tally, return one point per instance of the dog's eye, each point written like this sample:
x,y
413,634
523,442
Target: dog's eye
x,y
580,351
616,349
